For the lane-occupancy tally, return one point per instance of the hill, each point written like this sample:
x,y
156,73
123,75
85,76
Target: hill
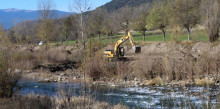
x,y
10,17
116,4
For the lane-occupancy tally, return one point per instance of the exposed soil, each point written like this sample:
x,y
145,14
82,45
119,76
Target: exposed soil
x,y
57,67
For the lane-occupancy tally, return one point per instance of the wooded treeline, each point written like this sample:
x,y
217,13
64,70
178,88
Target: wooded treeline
x,y
135,15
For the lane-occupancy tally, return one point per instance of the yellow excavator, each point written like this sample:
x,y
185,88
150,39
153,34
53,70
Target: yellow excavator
x,y
118,51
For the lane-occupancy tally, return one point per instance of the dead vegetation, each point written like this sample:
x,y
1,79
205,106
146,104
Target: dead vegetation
x,y
184,61
45,102
175,62
28,57
171,61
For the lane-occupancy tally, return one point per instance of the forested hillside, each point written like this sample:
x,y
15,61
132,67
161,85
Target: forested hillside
x,y
117,4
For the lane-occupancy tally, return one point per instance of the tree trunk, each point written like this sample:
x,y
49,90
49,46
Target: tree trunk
x,y
126,31
164,34
45,36
76,40
213,37
144,35
66,39
46,46
111,36
99,38
188,30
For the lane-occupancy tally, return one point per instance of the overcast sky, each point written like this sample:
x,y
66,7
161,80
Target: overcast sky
x,y
62,5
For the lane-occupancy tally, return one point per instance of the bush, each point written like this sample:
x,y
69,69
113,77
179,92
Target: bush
x,y
7,81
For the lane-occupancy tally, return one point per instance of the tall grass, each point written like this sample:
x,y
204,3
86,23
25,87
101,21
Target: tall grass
x,y
169,68
173,63
32,101
26,58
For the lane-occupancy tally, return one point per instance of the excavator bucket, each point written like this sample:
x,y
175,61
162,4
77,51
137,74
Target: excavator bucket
x,y
137,49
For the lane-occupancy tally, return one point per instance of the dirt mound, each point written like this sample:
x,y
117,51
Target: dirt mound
x,y
177,61
179,50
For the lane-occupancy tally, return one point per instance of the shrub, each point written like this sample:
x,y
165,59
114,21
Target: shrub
x,y
95,71
7,81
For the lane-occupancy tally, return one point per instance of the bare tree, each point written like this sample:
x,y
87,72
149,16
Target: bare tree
x,y
96,21
158,17
212,18
46,16
3,38
185,13
140,24
2,32
140,21
81,6
24,30
124,17
13,34
110,25
71,29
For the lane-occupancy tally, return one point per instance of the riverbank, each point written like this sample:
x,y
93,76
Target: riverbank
x,y
158,64
73,76
186,72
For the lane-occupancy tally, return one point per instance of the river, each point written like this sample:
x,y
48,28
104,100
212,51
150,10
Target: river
x,y
134,97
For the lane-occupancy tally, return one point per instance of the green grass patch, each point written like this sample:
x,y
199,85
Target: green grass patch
x,y
151,36
158,37
64,42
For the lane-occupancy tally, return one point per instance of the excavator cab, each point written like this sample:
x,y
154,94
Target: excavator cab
x,y
121,51
110,53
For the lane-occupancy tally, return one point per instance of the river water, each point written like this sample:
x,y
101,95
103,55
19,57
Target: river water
x,y
134,97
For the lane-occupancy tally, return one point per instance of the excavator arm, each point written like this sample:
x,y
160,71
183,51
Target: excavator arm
x,y
119,42
122,40
117,50
131,40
